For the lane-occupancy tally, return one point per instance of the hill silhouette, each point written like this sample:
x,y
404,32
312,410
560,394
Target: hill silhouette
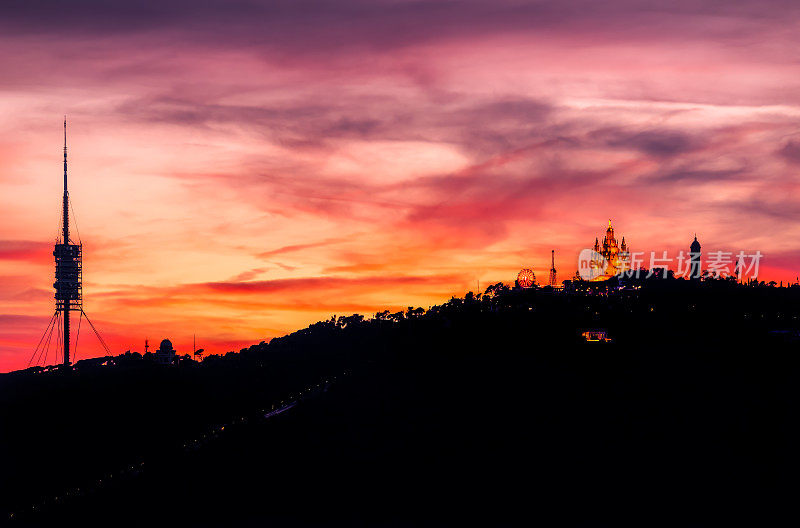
x,y
490,408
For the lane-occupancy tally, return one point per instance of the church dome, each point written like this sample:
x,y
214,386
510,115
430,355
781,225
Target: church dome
x,y
695,247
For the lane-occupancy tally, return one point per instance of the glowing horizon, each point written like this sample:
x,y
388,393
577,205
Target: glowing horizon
x,y
239,171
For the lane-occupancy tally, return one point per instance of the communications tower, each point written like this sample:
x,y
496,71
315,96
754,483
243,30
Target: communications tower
x,y
553,268
69,290
69,266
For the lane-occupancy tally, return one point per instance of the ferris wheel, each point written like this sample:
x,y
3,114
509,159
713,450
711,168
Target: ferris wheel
x,y
526,278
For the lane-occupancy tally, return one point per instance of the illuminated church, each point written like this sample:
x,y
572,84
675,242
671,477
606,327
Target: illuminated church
x,y
616,256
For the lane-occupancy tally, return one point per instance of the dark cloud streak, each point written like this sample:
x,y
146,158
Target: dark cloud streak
x,y
324,25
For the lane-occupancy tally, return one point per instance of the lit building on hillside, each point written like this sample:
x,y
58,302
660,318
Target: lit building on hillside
x,y
600,336
615,257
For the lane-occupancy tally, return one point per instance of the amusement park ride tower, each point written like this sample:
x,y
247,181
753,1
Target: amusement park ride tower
x,y
553,275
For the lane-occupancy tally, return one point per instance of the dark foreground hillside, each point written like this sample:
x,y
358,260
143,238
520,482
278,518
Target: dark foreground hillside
x,y
493,411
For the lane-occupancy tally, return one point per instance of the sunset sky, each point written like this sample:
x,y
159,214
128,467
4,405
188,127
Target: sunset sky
x,y
241,169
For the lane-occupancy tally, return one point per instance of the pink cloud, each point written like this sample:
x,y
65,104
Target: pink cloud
x,y
25,250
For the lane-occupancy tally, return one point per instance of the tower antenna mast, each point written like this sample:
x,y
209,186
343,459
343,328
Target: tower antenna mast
x,y
65,226
553,268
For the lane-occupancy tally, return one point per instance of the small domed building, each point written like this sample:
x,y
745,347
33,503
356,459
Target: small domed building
x,y
165,354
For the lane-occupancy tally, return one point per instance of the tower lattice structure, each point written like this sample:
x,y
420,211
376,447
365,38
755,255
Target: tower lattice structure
x,y
553,276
